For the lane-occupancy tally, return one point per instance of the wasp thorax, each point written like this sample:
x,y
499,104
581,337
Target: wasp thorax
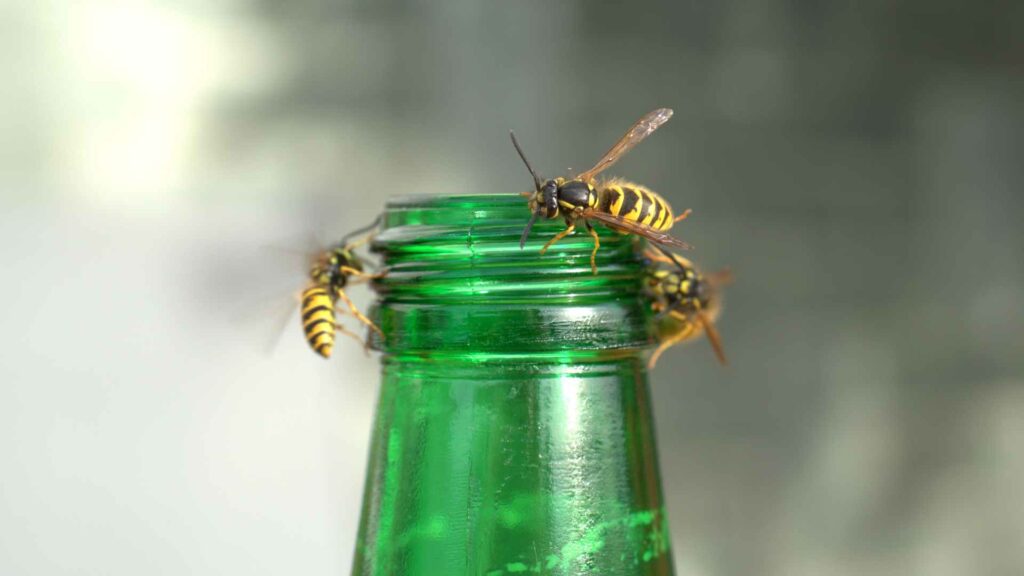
x,y
325,270
575,193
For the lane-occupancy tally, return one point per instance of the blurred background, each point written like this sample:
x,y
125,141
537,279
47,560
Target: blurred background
x,y
857,165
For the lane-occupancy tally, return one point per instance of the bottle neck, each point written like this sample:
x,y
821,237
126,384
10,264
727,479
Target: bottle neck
x,y
510,468
458,283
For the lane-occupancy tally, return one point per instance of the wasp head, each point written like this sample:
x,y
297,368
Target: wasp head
x,y
699,293
320,271
543,200
326,270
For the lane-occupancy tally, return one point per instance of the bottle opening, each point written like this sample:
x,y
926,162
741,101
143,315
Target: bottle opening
x,y
458,281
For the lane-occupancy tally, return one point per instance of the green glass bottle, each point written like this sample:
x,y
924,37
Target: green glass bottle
x,y
513,432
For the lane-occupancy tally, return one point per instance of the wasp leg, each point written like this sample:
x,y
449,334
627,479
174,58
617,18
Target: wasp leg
x,y
355,311
712,334
361,241
361,277
660,312
682,216
668,343
354,336
349,271
569,230
656,256
372,227
597,244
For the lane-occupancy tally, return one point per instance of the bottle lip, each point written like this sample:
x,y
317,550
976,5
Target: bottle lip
x,y
470,245
455,261
455,211
454,200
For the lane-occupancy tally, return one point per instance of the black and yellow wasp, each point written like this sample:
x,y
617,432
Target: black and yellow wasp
x,y
686,302
620,205
329,273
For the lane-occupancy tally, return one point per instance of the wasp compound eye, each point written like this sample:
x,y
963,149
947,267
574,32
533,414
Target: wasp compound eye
x,y
550,191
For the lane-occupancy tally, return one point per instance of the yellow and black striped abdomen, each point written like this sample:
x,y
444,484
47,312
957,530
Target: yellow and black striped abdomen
x,y
636,203
318,319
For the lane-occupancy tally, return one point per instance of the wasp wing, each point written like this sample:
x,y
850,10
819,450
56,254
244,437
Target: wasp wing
x,y
636,134
631,227
720,278
672,258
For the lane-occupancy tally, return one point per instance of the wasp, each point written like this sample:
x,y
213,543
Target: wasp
x,y
620,205
686,302
329,274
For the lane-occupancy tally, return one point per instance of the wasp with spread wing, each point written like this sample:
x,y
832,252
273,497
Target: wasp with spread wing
x,y
686,302
329,273
620,205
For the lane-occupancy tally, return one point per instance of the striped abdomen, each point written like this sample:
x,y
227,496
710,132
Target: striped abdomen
x,y
318,319
634,202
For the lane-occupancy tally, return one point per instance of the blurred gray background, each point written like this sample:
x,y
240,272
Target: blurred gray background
x,y
857,165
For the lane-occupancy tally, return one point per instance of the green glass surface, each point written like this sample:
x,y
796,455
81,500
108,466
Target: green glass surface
x,y
513,431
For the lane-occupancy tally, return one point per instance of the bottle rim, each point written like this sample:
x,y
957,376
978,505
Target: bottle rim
x,y
450,259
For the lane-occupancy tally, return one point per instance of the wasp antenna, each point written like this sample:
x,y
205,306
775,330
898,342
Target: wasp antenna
x,y
536,179
359,231
686,213
723,277
670,255
526,231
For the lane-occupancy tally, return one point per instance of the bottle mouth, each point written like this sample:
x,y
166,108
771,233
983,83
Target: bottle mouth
x,y
454,248
455,261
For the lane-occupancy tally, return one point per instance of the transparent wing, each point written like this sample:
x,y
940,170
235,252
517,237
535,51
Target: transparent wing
x,y
285,314
632,227
720,278
669,258
262,322
642,129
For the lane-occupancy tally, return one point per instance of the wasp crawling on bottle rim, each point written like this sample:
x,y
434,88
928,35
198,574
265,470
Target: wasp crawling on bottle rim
x,y
330,272
620,205
686,302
